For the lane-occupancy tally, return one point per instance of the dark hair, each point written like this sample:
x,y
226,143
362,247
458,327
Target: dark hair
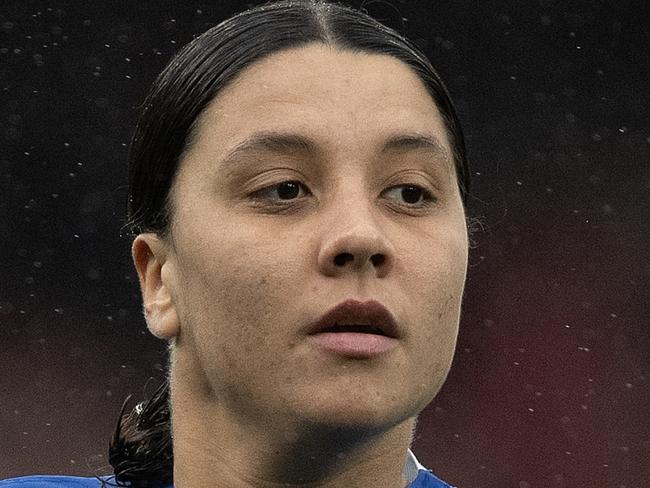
x,y
141,449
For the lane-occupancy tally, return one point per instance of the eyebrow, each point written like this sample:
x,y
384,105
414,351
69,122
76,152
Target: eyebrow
x,y
290,143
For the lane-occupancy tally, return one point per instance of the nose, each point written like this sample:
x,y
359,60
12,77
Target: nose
x,y
354,242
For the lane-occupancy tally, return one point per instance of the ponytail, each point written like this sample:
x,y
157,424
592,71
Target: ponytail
x,y
140,451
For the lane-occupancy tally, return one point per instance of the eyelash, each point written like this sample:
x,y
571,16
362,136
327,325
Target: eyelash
x,y
427,197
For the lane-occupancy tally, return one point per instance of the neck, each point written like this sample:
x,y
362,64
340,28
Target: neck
x,y
213,447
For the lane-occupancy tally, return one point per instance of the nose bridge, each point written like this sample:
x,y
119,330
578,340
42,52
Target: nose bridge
x,y
352,236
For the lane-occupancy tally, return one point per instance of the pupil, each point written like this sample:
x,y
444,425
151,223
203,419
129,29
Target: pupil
x,y
288,190
411,194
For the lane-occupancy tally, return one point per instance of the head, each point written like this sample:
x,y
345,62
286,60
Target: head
x,y
294,156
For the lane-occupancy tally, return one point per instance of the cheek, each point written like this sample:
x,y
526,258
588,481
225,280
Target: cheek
x,y
435,289
235,288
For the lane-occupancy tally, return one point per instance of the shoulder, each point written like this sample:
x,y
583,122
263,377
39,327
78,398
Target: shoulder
x,y
426,479
44,481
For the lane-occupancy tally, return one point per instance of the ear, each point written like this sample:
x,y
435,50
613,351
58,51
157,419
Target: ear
x,y
151,259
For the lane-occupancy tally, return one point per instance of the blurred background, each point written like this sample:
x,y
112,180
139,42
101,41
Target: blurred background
x,y
550,383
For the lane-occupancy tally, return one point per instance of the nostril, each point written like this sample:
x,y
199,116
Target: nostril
x,y
342,258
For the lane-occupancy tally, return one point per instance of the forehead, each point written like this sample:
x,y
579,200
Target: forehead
x,y
344,100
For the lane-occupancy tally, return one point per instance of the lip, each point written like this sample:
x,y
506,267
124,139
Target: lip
x,y
353,344
351,312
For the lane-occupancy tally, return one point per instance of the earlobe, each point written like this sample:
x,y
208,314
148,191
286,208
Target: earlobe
x,y
150,256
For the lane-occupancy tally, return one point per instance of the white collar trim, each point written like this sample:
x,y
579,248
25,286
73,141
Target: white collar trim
x,y
412,467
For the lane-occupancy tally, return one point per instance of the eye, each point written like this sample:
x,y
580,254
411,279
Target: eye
x,y
286,190
412,195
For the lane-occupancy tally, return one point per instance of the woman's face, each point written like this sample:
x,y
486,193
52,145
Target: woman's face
x,y
252,264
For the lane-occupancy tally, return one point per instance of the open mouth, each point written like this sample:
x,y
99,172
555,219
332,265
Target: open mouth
x,y
365,329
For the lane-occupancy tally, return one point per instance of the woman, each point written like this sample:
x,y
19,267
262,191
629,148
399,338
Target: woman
x,y
298,185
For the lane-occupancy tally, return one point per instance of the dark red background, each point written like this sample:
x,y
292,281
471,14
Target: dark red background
x,y
550,385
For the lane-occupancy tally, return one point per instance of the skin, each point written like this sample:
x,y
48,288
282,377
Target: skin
x,y
244,273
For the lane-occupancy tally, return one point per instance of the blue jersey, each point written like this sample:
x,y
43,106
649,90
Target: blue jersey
x,y
424,479
417,475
